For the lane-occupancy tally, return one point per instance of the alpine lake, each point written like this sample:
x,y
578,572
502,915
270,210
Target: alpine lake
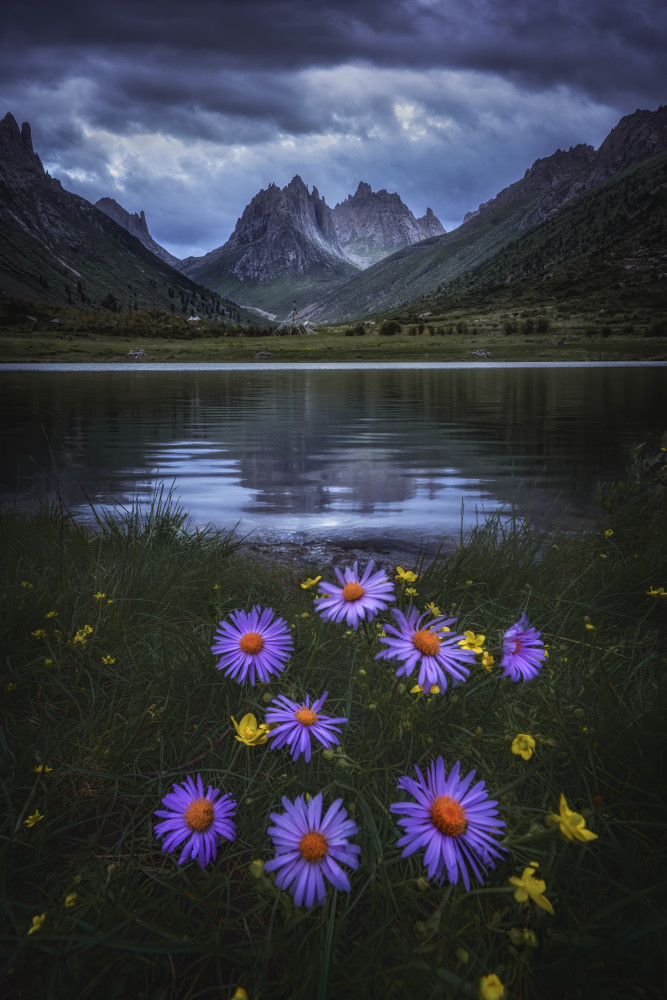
x,y
381,458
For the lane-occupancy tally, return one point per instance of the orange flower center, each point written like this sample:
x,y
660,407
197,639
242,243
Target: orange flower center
x,y
251,642
199,815
426,642
306,716
313,846
448,816
353,591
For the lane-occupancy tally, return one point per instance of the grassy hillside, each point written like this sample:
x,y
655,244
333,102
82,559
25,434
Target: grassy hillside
x,y
603,258
419,269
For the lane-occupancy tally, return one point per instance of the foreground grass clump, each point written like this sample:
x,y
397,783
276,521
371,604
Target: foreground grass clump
x,y
110,696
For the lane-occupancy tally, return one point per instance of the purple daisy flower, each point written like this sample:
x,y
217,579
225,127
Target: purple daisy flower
x,y
357,597
310,848
435,652
453,820
523,651
297,722
254,646
204,818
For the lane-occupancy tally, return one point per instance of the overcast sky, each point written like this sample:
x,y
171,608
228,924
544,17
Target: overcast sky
x,y
187,109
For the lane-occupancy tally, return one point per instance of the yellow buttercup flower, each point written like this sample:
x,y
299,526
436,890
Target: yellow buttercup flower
x,y
405,575
27,584
240,994
35,818
310,582
108,660
656,592
51,614
491,988
99,595
411,592
434,689
530,888
42,769
608,533
70,900
12,686
523,746
248,732
472,641
433,608
572,824
37,923
487,661
39,633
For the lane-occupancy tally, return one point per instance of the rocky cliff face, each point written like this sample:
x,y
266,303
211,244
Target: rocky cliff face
x,y
371,225
282,231
17,157
637,137
137,225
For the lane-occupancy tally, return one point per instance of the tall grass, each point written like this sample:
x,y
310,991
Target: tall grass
x,y
136,704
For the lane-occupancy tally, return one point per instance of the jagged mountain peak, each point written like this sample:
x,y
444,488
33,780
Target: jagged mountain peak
x,y
16,152
137,225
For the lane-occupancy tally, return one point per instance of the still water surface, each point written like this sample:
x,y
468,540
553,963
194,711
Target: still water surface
x,y
356,456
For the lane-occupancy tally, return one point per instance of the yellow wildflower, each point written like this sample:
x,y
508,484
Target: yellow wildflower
x,y
99,595
418,690
48,661
405,575
491,988
523,746
487,661
57,634
240,994
310,582
248,732
433,608
42,769
572,824
472,641
35,818
108,660
656,592
11,686
51,614
305,614
589,626
216,586
530,888
26,584
70,900
37,923
256,868
39,633
411,592
608,533
468,583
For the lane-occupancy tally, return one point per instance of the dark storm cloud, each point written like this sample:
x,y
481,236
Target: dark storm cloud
x,y
186,110
608,48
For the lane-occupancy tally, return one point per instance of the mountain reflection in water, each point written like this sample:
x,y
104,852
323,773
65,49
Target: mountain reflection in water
x,y
326,454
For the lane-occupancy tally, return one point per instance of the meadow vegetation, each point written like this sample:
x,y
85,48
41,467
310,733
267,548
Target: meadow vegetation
x,y
539,331
110,695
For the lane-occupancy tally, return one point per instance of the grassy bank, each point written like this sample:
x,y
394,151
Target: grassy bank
x,y
110,695
334,345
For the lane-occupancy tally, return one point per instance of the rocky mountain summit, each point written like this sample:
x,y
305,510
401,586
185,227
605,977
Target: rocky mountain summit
x,y
291,234
137,225
371,225
57,247
553,180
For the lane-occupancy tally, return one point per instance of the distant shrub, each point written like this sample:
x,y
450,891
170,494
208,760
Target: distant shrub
x,y
412,331
461,327
510,327
389,328
657,329
543,324
359,330
528,326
